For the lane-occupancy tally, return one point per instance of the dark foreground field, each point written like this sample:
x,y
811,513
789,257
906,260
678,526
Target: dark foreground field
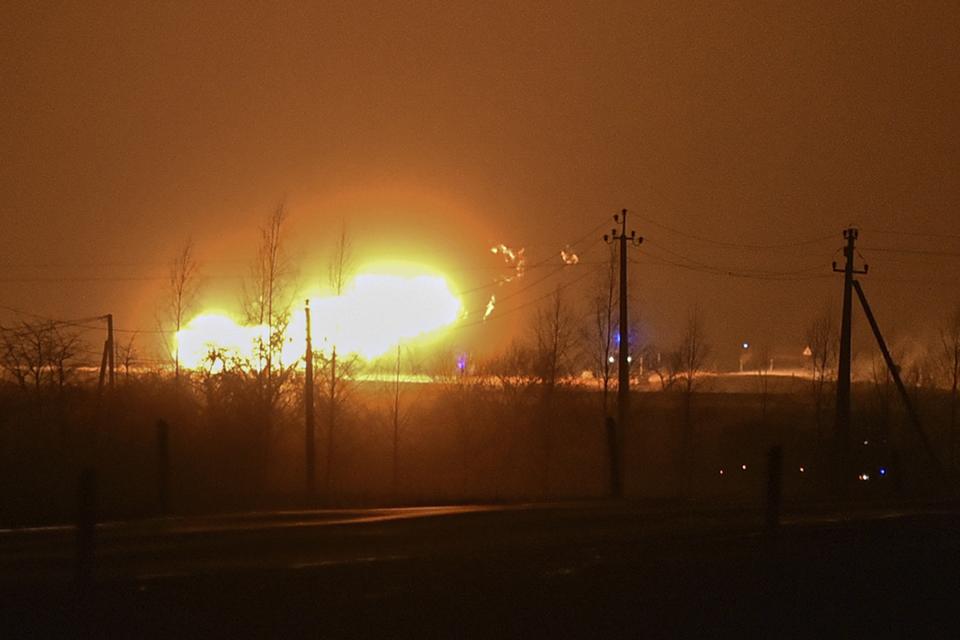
x,y
546,571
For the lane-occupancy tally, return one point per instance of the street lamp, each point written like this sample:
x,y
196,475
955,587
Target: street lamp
x,y
744,347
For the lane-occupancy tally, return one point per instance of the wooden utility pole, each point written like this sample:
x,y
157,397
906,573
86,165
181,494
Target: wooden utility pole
x,y
308,410
623,370
396,425
103,368
898,381
111,350
331,422
842,425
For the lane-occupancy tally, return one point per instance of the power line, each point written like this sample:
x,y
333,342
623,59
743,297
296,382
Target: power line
x,y
919,252
785,277
918,234
696,265
735,245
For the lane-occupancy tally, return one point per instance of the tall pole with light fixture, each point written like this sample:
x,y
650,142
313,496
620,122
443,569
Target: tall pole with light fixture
x,y
623,370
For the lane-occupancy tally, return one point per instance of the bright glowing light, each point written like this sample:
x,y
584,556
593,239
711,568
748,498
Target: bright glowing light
x,y
743,467
515,260
802,469
376,312
864,476
568,256
210,340
721,471
490,306
883,471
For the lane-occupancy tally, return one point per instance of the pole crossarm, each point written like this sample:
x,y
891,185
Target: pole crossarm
x,y
623,371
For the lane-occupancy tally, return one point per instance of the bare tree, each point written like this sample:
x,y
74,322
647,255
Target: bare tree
x,y
13,358
691,354
599,335
335,370
341,264
822,339
689,361
513,369
127,354
553,343
38,354
662,367
184,286
763,365
950,362
268,298
554,340
63,350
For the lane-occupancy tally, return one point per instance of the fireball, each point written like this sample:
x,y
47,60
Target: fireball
x,y
378,310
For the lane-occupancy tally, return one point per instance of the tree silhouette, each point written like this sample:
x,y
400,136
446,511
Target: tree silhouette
x,y
823,339
950,363
183,286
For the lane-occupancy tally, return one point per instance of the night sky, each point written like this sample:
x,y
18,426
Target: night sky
x,y
438,129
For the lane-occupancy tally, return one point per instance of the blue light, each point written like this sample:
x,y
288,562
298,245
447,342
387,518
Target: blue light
x,y
883,471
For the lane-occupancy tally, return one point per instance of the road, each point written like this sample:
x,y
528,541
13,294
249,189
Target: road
x,y
567,570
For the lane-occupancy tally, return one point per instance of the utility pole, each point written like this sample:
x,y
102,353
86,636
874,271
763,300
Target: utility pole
x,y
103,368
396,424
331,422
110,351
623,370
842,426
308,409
898,381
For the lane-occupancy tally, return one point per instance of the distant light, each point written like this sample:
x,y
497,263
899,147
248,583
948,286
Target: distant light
x,y
866,442
864,476
721,471
802,469
611,359
629,358
745,345
743,467
883,471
